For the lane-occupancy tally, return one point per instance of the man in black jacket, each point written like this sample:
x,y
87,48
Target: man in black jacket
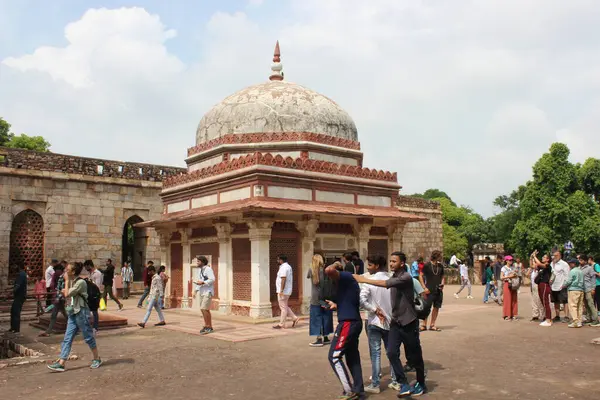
x,y
20,294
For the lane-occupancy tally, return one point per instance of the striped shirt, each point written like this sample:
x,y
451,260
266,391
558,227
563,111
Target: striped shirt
x,y
127,274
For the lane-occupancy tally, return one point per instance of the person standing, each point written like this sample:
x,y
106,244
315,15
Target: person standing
x,y
109,277
509,273
48,278
597,271
465,281
19,296
404,327
348,264
58,284
165,279
537,307
321,318
360,265
543,281
346,338
576,289
432,279
78,312
490,284
205,289
283,285
559,296
40,291
377,301
127,274
96,277
155,293
147,283
589,283
499,283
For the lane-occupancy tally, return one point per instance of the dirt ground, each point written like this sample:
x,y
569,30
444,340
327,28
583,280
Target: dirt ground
x,y
476,356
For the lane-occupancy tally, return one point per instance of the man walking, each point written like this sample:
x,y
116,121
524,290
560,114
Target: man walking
x,y
108,281
48,277
559,295
127,275
404,327
345,340
589,282
57,285
283,285
205,289
147,283
465,281
378,303
19,296
432,279
155,293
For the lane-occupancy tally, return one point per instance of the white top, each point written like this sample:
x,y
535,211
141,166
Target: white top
x,y
285,270
454,260
206,275
96,277
48,275
373,297
561,273
534,273
464,271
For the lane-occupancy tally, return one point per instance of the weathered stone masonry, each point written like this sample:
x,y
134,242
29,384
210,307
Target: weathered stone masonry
x,y
419,239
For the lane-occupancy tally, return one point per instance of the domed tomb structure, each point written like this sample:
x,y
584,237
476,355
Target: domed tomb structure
x,y
276,170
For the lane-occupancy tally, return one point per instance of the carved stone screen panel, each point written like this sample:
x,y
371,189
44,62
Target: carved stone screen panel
x,y
27,243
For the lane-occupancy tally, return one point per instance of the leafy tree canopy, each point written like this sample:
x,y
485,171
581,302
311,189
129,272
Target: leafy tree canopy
x,y
22,141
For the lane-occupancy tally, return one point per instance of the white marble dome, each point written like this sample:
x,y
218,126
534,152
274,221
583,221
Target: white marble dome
x,y
276,106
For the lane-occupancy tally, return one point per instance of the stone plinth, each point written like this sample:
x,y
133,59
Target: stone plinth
x,y
105,321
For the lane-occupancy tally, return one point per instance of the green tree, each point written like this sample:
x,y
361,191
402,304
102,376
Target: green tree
x,y
433,194
5,134
454,242
35,143
589,177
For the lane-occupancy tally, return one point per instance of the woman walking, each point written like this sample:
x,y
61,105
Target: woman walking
x,y
543,281
510,308
156,293
321,319
78,311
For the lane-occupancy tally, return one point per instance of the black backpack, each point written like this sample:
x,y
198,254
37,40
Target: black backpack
x,y
93,292
423,306
327,288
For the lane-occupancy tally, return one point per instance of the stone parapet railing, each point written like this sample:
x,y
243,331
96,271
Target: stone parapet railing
x,y
46,161
416,202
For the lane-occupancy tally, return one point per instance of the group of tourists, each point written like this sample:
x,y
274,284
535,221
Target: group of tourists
x,y
393,302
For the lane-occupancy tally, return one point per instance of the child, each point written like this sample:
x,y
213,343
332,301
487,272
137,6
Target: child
x,y
576,288
40,292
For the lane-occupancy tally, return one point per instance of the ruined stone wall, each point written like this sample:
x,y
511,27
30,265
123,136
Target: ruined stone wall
x,y
421,238
83,215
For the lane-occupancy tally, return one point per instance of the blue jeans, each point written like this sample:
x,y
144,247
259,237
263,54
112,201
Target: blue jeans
x,y
75,323
487,292
146,293
153,303
321,321
376,335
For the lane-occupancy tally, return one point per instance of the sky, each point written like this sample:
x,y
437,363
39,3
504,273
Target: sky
x,y
461,95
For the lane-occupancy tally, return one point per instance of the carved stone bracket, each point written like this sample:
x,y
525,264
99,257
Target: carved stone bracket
x,y
308,229
223,231
259,230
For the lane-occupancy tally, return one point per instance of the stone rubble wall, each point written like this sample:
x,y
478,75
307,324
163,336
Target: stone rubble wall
x,y
421,238
83,215
40,161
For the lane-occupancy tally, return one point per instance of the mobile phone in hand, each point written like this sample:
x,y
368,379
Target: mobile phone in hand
x,y
324,304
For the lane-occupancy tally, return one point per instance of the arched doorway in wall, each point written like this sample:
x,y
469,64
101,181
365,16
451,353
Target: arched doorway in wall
x,y
27,243
134,246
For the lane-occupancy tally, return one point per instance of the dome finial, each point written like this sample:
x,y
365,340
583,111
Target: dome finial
x,y
276,67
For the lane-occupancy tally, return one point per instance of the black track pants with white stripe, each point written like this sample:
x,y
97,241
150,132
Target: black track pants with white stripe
x,y
345,346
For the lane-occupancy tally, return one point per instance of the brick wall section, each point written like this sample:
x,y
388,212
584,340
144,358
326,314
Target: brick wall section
x,y
242,278
421,238
176,275
25,159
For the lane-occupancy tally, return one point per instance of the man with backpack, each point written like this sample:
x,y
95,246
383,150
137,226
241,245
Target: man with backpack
x,y
94,276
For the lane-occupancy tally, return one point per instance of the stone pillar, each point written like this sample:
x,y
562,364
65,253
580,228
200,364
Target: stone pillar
x,y
225,267
395,236
260,236
308,231
363,235
187,268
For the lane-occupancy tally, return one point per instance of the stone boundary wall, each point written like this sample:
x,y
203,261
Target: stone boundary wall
x,y
421,238
40,161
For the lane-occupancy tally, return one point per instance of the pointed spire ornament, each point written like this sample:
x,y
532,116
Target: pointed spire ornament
x,y
276,67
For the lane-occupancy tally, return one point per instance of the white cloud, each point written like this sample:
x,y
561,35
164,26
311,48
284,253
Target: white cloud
x,y
458,95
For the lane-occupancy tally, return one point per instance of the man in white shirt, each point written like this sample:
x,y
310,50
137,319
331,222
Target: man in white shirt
x,y
48,277
454,261
377,301
559,295
205,283
465,281
283,285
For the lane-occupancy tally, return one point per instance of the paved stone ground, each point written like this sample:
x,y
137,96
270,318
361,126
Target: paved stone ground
x,y
477,356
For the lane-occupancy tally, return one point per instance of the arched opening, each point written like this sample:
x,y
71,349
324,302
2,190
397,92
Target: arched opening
x,y
27,243
134,246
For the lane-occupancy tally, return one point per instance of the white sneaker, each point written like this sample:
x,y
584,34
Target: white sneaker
x,y
469,297
456,295
546,323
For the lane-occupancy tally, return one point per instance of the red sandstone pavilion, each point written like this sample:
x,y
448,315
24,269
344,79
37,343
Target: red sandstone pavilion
x,y
277,169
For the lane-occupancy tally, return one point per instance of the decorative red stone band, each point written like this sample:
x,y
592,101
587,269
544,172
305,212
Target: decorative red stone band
x,y
278,161
243,138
